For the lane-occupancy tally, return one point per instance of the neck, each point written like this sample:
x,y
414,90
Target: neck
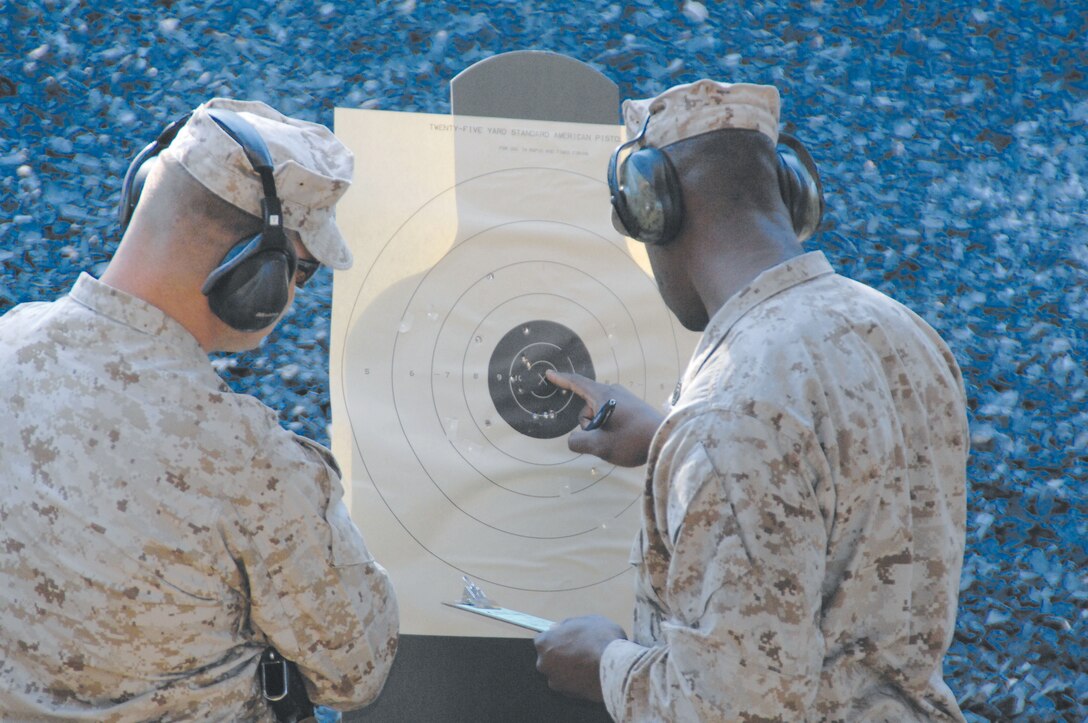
x,y
165,286
740,251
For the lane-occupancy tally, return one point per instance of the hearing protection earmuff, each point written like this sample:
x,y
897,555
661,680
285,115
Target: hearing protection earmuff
x,y
249,289
646,194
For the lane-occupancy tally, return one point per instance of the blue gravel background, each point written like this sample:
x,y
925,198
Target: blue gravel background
x,y
951,137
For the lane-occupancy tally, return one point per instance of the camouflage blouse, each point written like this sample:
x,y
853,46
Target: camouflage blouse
x,y
803,521
158,531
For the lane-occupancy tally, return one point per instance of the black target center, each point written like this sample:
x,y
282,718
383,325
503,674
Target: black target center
x,y
518,384
542,389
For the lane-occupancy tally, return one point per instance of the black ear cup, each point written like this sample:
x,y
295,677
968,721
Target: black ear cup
x,y
648,200
799,184
249,290
645,192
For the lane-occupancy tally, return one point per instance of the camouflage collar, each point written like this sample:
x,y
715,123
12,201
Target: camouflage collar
x,y
132,312
771,282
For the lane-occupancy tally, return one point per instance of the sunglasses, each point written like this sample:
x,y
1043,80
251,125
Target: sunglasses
x,y
304,271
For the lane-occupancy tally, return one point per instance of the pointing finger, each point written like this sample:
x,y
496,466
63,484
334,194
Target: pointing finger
x,y
580,385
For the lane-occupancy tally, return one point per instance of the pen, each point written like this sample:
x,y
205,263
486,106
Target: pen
x,y
601,416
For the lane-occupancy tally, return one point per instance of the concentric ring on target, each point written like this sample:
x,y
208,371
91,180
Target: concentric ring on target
x,y
458,476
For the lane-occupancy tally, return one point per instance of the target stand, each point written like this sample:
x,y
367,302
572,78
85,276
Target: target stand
x,y
484,257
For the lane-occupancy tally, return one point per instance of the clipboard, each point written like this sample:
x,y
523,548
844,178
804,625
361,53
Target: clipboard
x,y
506,615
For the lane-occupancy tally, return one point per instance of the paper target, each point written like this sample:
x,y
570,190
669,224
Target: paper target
x,y
471,295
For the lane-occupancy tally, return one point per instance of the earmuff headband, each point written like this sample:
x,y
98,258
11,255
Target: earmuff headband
x,y
246,136
614,187
250,287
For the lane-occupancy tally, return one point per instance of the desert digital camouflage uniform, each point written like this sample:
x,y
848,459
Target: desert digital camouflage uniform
x,y
158,531
803,523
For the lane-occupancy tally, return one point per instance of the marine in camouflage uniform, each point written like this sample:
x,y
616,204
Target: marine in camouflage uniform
x,y
804,515
158,532
803,523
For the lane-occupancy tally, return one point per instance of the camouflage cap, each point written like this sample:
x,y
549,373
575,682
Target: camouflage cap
x,y
688,110
312,170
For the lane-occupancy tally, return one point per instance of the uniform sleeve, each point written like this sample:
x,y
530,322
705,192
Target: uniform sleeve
x,y
743,540
316,593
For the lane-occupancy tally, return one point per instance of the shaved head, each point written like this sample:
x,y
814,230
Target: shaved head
x,y
728,169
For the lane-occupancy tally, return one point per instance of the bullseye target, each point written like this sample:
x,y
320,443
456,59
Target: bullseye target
x,y
467,300
517,377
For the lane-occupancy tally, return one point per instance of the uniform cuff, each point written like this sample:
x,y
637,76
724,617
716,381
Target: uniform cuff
x,y
616,663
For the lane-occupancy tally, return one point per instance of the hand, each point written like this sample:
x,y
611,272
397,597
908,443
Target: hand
x,y
569,654
625,439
